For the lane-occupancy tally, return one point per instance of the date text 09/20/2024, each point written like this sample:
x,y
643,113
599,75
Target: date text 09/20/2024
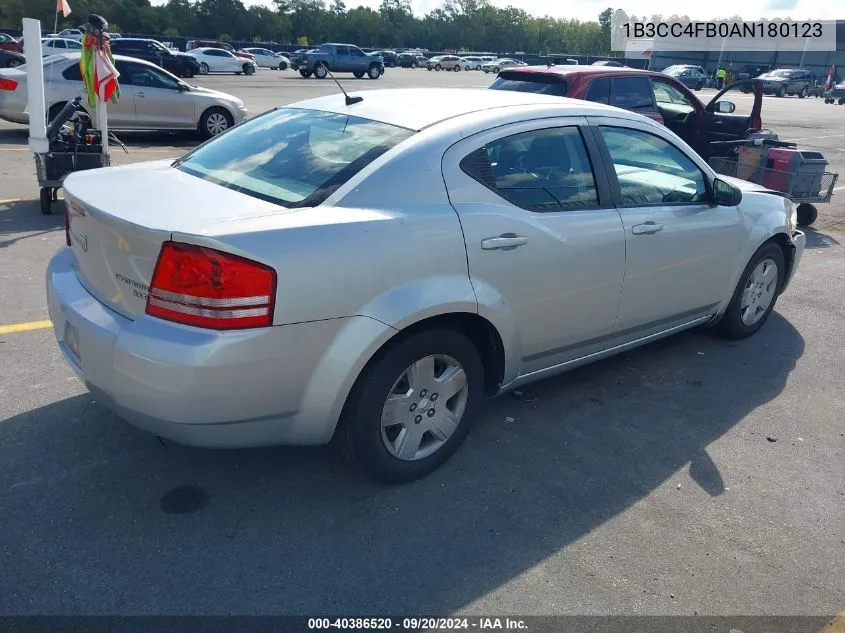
x,y
418,624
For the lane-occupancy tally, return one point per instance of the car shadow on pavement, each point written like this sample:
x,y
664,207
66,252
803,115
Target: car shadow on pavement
x,y
22,220
124,524
818,239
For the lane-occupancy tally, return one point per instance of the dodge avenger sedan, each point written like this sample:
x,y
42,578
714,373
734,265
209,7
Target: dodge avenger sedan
x,y
368,273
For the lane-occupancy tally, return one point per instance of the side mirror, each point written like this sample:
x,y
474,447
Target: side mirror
x,y
725,107
726,195
184,87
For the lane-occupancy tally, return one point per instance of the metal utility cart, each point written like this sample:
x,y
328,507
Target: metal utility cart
x,y
801,176
72,148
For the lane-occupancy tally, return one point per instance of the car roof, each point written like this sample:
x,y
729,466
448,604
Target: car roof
x,y
573,72
123,58
419,108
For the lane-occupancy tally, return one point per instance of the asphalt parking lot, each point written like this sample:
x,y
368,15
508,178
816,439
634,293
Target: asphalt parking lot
x,y
691,476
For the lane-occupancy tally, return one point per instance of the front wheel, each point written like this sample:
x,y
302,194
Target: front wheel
x,y
215,121
188,72
782,91
438,67
203,68
249,69
374,72
412,408
803,93
841,101
457,67
413,64
496,70
756,293
699,86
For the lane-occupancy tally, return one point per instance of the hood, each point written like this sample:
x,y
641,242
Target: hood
x,y
769,77
182,55
747,187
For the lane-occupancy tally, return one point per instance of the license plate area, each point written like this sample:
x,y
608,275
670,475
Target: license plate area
x,y
71,339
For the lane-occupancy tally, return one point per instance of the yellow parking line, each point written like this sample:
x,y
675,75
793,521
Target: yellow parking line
x,y
25,327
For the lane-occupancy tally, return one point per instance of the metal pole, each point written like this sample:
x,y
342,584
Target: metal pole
x,y
35,86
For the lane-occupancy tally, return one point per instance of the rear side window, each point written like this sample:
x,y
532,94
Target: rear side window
x,y
632,93
599,91
542,170
292,157
531,82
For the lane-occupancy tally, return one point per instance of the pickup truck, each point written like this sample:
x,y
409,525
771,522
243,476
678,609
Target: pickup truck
x,y
340,58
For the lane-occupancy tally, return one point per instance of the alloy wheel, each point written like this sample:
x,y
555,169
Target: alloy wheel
x,y
759,292
217,123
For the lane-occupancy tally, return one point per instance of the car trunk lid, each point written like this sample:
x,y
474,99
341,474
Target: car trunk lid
x,y
117,230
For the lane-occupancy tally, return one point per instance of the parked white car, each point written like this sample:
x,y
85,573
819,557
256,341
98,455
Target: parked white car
x,y
150,97
71,34
499,64
369,273
265,58
217,60
471,63
58,45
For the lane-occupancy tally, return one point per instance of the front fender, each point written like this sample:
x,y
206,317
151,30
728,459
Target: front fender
x,y
763,223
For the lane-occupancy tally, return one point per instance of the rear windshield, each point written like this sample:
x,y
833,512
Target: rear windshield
x,y
292,157
537,83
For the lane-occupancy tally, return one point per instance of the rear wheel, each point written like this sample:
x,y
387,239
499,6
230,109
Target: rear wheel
x,y
782,91
756,293
804,92
457,67
188,72
699,86
413,406
321,71
304,73
203,68
437,67
413,64
496,70
841,101
215,121
358,74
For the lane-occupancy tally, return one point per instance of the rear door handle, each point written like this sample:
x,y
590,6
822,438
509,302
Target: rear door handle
x,y
508,240
648,228
139,94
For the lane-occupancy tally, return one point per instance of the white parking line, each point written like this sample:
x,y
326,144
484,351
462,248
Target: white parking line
x,y
838,188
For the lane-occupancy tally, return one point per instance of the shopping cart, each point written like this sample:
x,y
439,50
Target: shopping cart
x,y
806,180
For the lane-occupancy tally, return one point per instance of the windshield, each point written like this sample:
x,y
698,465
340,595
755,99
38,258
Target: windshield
x,y
530,82
777,73
292,157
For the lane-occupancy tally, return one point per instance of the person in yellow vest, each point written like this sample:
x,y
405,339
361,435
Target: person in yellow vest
x,y
720,78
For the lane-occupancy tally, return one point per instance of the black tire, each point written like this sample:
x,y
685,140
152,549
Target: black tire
x,y
46,199
782,92
841,101
438,67
304,73
413,64
374,72
457,68
392,65
807,214
803,93
359,433
699,86
358,74
282,66
321,71
496,70
210,122
187,72
430,68
203,68
249,69
731,325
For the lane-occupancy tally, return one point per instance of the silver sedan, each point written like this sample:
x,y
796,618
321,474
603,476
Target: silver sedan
x,y
370,272
150,97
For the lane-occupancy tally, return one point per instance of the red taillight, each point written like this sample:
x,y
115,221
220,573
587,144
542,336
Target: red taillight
x,y
67,223
8,84
203,287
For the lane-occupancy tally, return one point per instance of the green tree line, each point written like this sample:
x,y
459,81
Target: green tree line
x,y
459,24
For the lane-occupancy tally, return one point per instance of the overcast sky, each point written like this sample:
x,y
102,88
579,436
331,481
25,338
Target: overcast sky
x,y
589,9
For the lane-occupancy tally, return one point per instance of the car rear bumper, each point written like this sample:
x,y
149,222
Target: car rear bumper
x,y
277,385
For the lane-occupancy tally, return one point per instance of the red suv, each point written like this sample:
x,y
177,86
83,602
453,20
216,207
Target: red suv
x,y
655,95
9,43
